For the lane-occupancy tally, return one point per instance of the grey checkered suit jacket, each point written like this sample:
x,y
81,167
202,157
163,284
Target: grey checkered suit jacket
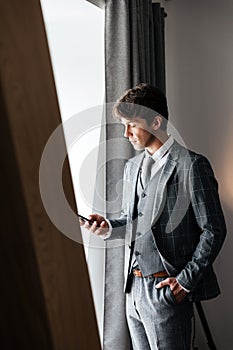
x,y
187,224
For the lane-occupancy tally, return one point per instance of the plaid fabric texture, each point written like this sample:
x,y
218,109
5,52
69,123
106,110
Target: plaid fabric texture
x,y
188,225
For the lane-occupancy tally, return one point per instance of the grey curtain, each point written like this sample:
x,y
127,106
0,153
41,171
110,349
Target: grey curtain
x,y
134,53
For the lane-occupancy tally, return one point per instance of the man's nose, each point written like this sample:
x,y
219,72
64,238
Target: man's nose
x,y
126,133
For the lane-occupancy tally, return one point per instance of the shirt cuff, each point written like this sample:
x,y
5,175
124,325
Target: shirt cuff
x,y
186,290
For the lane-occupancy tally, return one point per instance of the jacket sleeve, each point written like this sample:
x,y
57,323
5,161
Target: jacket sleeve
x,y
203,190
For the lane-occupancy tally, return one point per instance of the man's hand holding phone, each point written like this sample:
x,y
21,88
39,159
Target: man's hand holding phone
x,y
95,223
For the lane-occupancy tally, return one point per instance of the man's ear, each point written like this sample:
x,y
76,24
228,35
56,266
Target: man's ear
x,y
157,122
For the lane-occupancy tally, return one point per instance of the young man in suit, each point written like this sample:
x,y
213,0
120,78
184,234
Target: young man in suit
x,y
172,222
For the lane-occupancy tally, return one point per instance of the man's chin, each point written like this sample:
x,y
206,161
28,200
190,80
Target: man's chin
x,y
137,146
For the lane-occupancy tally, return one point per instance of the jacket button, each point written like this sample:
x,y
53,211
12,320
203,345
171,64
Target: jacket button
x,y
138,234
143,195
140,214
137,253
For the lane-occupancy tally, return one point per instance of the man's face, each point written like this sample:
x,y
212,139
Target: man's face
x,y
138,132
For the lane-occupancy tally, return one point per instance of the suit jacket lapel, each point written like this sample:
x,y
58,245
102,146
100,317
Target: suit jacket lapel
x,y
136,165
160,195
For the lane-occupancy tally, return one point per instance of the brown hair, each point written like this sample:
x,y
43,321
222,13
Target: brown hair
x,y
142,101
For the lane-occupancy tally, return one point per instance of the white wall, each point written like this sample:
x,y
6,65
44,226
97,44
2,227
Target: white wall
x,y
199,53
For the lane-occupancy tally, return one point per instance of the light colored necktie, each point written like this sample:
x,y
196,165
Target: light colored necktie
x,y
146,170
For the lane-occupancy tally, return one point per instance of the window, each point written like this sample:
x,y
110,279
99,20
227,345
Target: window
x,y
75,32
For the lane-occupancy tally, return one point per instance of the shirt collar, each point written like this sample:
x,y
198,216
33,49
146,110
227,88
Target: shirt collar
x,y
162,150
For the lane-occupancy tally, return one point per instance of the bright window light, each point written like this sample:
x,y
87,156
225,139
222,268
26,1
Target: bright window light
x,y
75,32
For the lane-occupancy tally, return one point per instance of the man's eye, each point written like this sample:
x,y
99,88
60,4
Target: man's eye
x,y
133,125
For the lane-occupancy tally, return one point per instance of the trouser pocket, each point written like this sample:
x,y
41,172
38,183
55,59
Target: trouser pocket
x,y
169,296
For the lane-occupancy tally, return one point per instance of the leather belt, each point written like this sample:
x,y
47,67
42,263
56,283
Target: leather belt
x,y
138,273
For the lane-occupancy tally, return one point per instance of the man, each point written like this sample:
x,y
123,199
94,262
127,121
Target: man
x,y
172,222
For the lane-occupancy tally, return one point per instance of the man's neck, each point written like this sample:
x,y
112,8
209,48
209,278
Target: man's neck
x,y
157,143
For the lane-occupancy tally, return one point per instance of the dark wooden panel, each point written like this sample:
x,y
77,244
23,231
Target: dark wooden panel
x,y
45,295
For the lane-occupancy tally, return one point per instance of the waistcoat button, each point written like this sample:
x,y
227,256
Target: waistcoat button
x,y
137,253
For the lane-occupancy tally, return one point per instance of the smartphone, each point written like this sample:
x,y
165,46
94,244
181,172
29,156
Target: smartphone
x,y
83,218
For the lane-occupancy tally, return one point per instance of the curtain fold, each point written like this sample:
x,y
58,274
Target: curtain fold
x,y
134,53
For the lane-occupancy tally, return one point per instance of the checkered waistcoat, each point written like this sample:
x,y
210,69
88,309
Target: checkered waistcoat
x,y
142,241
187,225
